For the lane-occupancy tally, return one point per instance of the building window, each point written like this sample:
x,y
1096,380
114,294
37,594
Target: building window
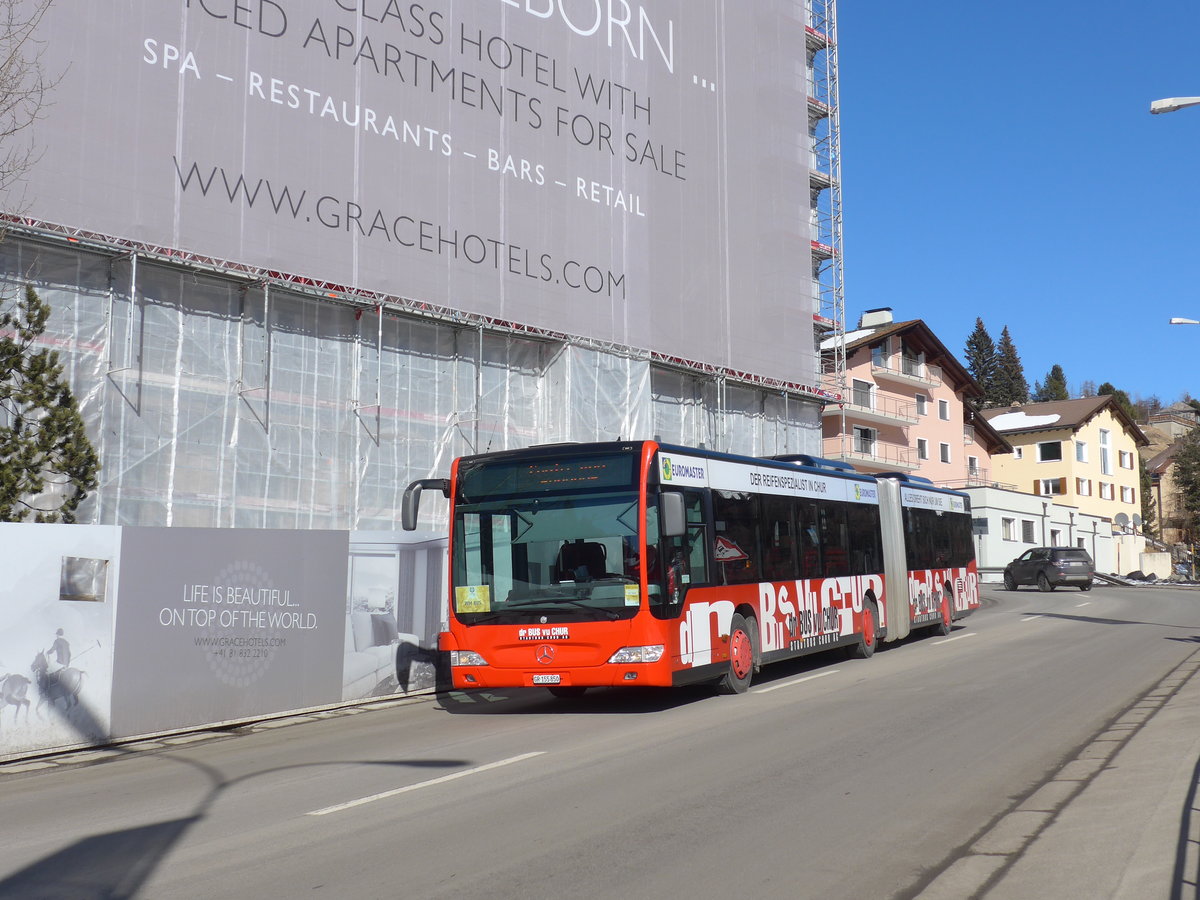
x,y
1106,490
1105,459
1081,451
1008,529
1083,487
879,354
1126,494
861,394
864,440
1049,451
922,448
1125,459
945,452
1055,537
1027,531
1051,486
973,465
922,405
944,410
1018,452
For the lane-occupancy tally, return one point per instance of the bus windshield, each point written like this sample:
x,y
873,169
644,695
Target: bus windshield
x,y
567,557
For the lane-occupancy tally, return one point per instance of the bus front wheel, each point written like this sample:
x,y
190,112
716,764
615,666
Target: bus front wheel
x,y
741,657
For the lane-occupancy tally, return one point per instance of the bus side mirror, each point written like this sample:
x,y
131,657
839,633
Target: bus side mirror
x,y
672,515
412,499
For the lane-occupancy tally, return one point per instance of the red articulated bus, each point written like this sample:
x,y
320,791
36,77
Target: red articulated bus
x,y
640,563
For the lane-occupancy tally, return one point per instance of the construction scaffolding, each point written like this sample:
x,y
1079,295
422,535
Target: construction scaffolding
x,y
223,397
825,183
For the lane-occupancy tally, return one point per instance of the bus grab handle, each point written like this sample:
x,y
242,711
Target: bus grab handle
x,y
412,499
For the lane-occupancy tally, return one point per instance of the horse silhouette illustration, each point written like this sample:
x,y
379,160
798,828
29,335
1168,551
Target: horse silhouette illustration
x,y
14,691
62,684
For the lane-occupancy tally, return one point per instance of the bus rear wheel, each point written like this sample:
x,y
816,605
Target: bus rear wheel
x,y
865,648
741,657
944,626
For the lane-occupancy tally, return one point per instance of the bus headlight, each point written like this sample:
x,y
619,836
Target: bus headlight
x,y
466,658
637,655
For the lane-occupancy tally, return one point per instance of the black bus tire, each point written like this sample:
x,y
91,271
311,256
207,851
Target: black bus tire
x,y
741,656
945,625
865,648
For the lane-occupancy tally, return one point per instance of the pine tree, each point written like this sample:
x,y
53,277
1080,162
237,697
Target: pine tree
x,y
1010,385
1054,388
47,463
1149,506
981,359
1120,396
1187,482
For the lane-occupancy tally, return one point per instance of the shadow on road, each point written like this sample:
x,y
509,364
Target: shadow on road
x,y
114,865
1185,880
1097,620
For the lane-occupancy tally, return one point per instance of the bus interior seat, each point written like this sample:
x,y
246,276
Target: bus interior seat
x,y
580,560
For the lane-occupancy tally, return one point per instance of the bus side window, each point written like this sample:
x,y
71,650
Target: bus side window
x,y
737,521
835,539
810,540
697,538
683,560
867,555
779,550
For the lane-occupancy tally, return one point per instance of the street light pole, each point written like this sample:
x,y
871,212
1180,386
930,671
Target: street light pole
x,y
1170,104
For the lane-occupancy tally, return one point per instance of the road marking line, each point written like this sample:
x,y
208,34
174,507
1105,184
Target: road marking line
x,y
1031,618
775,687
1084,603
350,804
957,637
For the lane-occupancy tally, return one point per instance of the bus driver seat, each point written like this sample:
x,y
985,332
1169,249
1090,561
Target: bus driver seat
x,y
580,561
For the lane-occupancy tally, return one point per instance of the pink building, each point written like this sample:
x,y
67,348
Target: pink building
x,y
905,407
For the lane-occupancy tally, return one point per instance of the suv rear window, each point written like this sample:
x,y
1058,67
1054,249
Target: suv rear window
x,y
1072,554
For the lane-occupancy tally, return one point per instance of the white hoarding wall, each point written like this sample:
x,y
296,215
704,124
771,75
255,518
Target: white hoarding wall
x,y
628,172
57,598
217,403
115,633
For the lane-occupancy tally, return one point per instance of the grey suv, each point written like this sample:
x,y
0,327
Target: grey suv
x,y
1049,567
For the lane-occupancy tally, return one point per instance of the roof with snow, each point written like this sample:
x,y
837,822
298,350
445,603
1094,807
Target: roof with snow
x,y
1057,414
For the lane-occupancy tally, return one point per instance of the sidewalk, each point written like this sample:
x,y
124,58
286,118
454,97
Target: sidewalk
x,y
1121,820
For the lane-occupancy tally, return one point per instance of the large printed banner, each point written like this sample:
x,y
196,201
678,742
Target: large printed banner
x,y
220,624
113,632
628,171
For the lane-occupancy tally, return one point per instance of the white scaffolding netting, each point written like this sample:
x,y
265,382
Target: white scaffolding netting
x,y
218,403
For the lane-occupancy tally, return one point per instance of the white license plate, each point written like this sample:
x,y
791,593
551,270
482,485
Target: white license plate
x,y
547,679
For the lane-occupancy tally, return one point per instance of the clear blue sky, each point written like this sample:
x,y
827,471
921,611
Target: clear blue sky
x,y
999,160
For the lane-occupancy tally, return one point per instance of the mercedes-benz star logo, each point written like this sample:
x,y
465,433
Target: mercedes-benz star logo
x,y
545,654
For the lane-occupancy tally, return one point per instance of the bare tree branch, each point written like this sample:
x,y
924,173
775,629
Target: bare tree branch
x,y
24,86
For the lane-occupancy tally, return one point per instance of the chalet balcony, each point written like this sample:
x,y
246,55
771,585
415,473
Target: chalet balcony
x,y
864,406
906,371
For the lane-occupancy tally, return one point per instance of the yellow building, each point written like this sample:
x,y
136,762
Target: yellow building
x,y
1081,452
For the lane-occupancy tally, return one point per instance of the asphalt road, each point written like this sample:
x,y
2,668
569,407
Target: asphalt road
x,y
832,777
